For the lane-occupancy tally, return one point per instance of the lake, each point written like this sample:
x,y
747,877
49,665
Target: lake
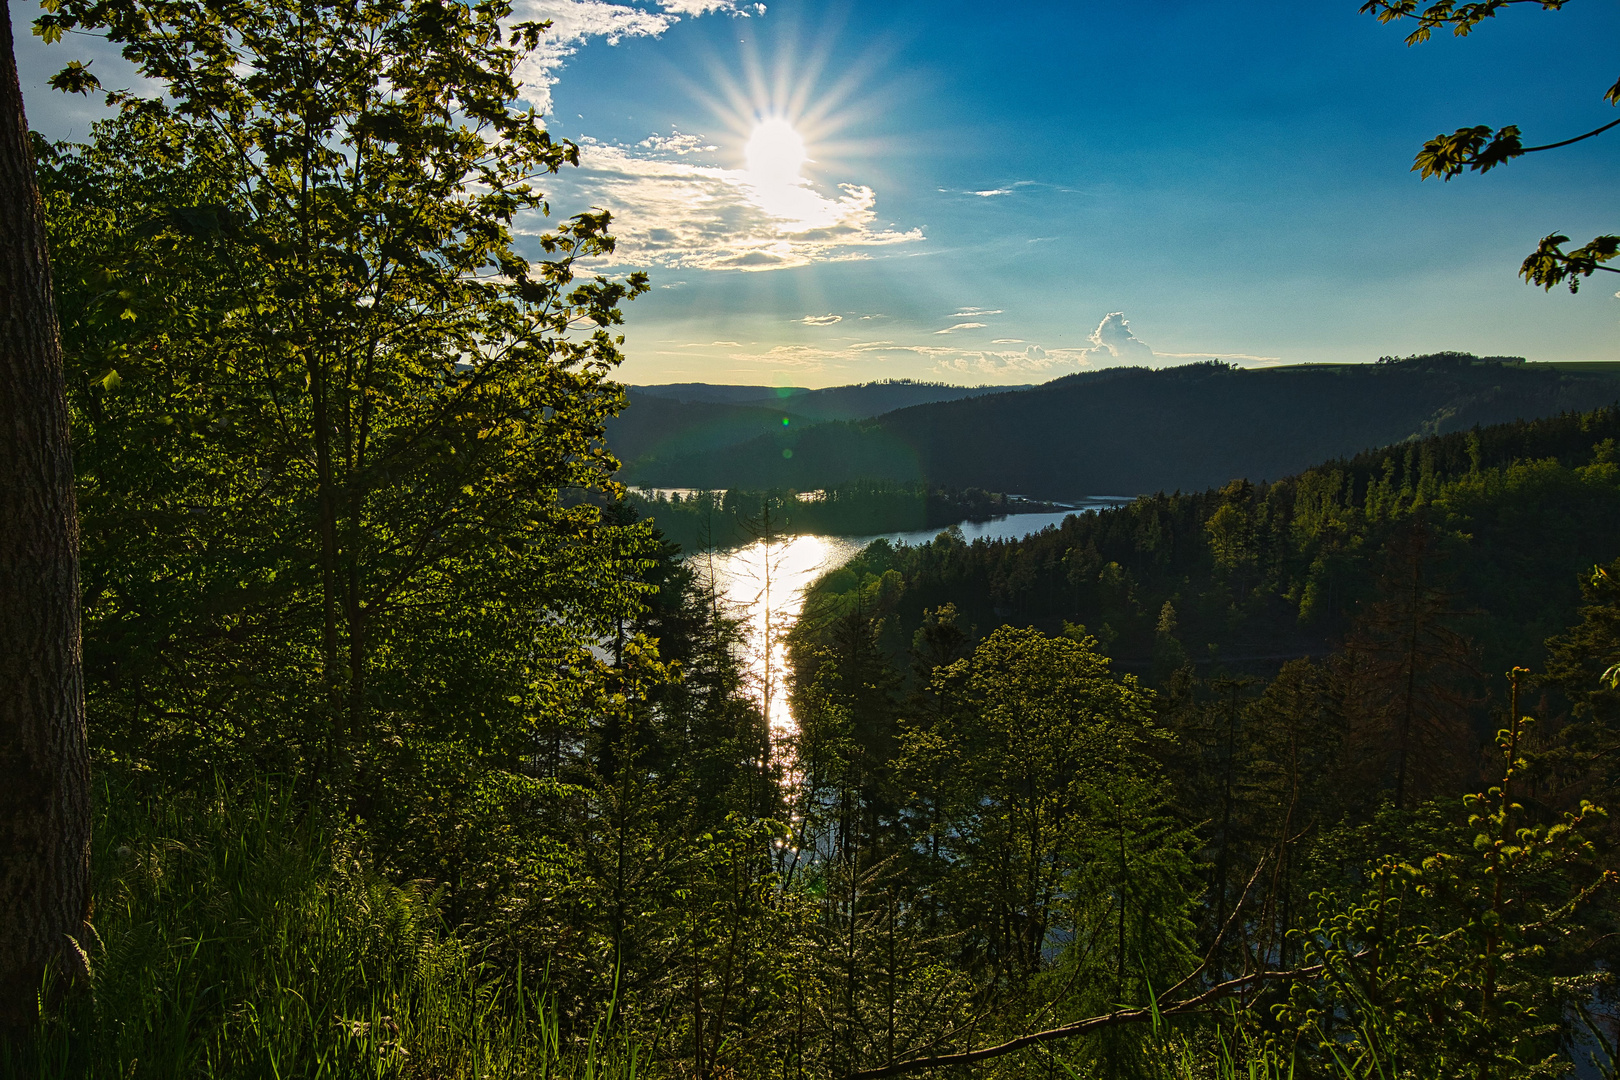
x,y
771,602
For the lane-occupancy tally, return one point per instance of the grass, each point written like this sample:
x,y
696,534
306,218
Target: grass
x,y
235,939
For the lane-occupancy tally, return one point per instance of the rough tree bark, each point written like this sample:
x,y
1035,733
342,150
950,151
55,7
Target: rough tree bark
x,y
44,761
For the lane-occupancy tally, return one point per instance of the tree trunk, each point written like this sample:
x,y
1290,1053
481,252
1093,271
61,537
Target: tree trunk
x,y
44,762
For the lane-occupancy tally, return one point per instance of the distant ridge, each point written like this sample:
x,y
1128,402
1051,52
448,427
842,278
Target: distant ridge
x,y
1135,430
678,420
857,401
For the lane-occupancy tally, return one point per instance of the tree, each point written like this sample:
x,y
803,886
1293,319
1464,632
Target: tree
x,y
1411,669
44,764
1028,762
1465,958
366,407
1481,148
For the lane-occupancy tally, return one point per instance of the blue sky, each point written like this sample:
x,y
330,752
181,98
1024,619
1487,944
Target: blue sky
x,y
1010,193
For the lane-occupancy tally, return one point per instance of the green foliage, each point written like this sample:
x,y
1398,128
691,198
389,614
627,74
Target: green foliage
x,y
325,412
1479,149
349,523
1515,515
238,936
1450,965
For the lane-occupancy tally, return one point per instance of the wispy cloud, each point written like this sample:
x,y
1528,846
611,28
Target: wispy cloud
x,y
1113,344
961,326
574,22
975,312
996,192
712,345
672,209
820,320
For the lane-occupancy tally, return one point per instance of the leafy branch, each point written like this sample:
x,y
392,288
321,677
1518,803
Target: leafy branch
x,y
1481,148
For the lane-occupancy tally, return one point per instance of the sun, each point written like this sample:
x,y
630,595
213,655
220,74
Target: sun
x,y
785,133
776,157
775,154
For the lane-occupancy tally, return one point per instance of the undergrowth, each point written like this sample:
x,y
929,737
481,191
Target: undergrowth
x,y
235,938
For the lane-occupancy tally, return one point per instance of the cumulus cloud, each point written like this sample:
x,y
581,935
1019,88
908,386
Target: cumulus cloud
x,y
670,208
960,326
1113,339
820,320
574,22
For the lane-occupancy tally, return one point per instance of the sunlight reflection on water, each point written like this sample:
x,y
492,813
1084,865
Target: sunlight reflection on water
x,y
788,565
765,584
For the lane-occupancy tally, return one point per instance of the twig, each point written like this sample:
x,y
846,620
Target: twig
x,y
1082,1027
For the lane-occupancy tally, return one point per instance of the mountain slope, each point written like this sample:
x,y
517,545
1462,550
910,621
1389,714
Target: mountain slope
x,y
655,426
683,419
855,402
1131,430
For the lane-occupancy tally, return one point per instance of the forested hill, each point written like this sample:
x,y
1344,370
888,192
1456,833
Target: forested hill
x,y
678,421
1132,430
854,402
1503,522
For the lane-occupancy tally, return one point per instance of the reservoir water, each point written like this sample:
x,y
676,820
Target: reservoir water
x,y
765,585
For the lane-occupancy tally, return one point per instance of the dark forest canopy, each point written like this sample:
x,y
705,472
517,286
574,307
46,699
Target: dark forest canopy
x,y
1133,430
1260,573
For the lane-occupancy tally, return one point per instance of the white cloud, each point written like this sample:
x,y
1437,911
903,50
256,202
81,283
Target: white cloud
x,y
671,210
992,193
574,22
703,7
713,345
820,320
676,143
1113,344
1113,338
975,312
960,326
